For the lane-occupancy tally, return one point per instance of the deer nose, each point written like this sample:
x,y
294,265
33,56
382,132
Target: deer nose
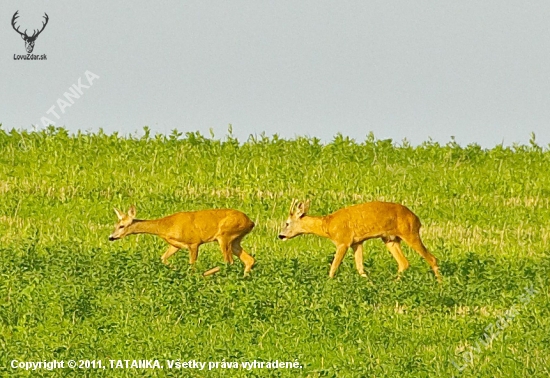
x,y
282,237
111,238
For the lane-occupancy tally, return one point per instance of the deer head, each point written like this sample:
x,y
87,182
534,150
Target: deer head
x,y
124,220
292,226
29,40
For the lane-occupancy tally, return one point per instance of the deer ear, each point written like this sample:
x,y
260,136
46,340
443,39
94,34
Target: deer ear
x,y
302,209
119,213
306,207
22,36
132,211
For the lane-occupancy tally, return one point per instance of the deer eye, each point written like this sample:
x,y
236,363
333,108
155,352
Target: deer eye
x,y
121,226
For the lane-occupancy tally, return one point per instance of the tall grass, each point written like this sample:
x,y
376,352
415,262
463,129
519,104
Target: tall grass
x,y
67,293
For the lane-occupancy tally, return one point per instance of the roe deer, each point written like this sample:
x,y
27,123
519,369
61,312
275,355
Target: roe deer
x,y
351,226
191,229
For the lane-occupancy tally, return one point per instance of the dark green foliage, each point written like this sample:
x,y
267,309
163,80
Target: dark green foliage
x,y
68,293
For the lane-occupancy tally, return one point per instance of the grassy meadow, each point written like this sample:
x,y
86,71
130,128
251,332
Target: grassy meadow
x,y
67,293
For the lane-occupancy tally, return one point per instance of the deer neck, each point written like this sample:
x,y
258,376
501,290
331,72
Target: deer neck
x,y
314,225
141,226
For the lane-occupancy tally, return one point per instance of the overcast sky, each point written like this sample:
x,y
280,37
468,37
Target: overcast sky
x,y
475,70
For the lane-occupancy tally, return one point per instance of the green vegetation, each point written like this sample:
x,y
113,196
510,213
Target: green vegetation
x,y
66,292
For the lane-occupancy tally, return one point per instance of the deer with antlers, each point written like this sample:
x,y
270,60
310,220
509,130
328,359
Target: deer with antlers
x,y
351,226
191,229
29,40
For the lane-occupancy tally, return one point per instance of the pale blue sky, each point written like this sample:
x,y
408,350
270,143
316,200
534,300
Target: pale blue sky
x,y
476,70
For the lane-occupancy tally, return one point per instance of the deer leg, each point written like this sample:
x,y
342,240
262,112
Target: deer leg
x,y
395,249
193,253
226,250
358,253
416,244
169,252
340,252
238,250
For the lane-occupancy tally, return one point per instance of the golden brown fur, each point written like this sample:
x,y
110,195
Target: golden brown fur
x,y
191,229
351,226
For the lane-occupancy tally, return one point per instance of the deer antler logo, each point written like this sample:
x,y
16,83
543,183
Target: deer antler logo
x,y
29,40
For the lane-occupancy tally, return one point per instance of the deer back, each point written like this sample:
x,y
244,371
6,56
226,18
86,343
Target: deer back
x,y
372,219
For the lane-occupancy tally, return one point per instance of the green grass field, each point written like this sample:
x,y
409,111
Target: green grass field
x,y
67,293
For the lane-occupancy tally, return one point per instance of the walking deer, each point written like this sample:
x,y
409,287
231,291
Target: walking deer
x,y
351,226
191,229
